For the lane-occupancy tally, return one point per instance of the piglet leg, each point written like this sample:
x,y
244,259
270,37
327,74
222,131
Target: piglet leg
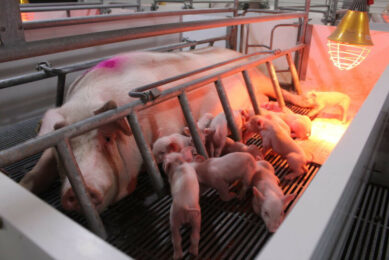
x,y
195,236
176,239
224,193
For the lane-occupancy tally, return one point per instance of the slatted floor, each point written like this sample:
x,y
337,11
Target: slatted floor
x,y
368,237
139,226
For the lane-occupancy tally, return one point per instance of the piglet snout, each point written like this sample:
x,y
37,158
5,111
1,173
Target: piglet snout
x,y
70,201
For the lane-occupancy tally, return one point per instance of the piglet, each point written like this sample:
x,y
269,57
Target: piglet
x,y
185,207
269,200
218,131
167,144
300,125
231,146
220,173
274,137
322,100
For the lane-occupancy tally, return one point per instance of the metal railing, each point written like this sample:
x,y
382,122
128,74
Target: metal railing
x,y
61,137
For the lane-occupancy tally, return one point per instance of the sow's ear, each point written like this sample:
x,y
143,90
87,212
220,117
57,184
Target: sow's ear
x,y
122,123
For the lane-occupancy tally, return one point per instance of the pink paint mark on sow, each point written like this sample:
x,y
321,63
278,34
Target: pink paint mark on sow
x,y
110,63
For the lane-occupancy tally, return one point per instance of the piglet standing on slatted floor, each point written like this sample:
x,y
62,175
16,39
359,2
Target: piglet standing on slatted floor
x,y
185,207
269,200
274,137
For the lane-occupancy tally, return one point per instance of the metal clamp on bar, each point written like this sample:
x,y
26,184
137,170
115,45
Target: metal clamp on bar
x,y
146,96
48,69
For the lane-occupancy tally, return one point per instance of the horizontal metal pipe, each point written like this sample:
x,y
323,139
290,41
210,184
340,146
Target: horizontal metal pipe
x,y
65,8
193,72
303,6
265,11
43,47
39,75
78,184
106,18
58,4
302,9
41,143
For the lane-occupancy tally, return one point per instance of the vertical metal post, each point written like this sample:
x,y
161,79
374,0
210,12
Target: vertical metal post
x,y
302,39
60,89
78,185
247,39
293,71
138,8
242,26
227,110
251,92
275,4
148,159
276,84
194,131
11,28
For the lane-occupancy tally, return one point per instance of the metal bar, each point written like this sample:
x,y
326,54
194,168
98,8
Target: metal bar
x,y
42,47
247,38
300,9
194,131
276,84
60,89
41,143
119,17
59,4
193,72
251,92
295,77
303,68
303,6
144,149
277,26
5,83
227,110
11,30
241,38
66,8
78,185
302,39
265,11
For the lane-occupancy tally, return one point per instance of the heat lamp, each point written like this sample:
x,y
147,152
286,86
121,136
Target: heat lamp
x,y
350,43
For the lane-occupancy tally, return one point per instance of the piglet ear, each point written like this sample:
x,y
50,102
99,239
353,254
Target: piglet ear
x,y
199,158
257,194
173,147
186,131
166,166
260,123
287,199
60,124
121,124
209,131
187,153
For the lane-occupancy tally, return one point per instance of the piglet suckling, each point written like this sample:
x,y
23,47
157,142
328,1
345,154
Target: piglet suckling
x,y
219,173
218,131
274,137
323,100
168,144
269,200
185,207
231,146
